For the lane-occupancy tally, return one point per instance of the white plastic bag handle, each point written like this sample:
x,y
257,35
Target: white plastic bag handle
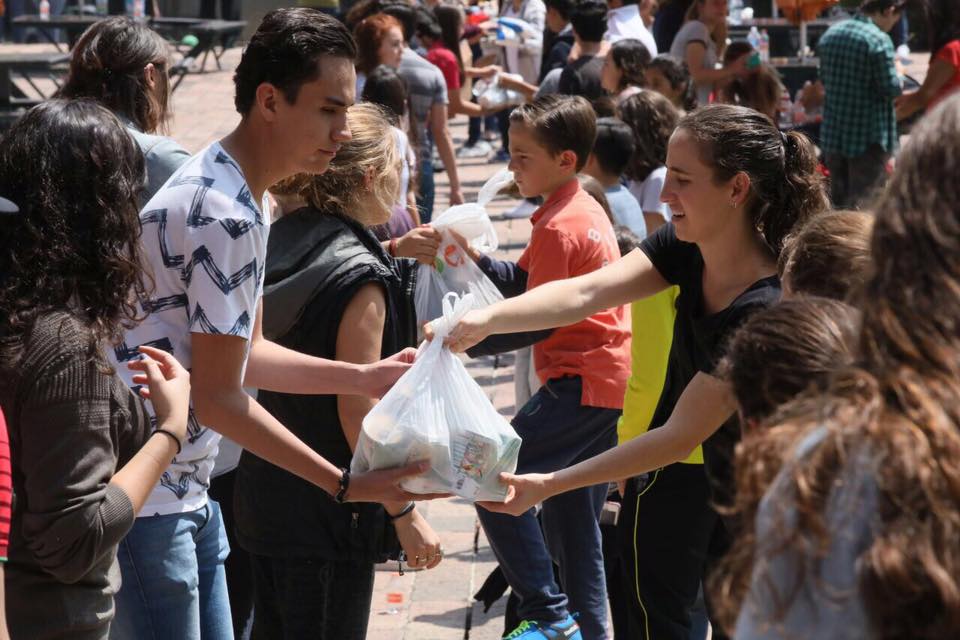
x,y
454,309
471,221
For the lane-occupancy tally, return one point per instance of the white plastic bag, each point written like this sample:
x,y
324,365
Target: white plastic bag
x,y
493,96
454,271
437,412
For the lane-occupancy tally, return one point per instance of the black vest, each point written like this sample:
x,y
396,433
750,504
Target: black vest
x,y
316,263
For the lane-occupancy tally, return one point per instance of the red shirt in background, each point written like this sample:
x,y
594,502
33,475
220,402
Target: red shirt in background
x,y
573,236
446,61
949,53
6,490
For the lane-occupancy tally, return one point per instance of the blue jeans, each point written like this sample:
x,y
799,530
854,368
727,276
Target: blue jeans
x,y
427,191
174,583
557,431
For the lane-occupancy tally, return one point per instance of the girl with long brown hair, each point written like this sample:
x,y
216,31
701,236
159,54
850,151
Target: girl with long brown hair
x,y
857,535
125,65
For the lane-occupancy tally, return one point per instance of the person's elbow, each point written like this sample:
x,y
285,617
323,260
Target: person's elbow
x,y
210,403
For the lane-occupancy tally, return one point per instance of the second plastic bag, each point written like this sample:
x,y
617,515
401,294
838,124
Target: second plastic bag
x,y
454,271
437,412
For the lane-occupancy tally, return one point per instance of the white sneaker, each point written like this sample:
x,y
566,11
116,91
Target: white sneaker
x,y
481,149
523,210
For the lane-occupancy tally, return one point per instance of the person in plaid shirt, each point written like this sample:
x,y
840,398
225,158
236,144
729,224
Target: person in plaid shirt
x,y
859,125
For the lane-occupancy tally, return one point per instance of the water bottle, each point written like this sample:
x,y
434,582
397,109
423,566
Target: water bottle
x,y
786,110
754,38
736,7
44,9
764,46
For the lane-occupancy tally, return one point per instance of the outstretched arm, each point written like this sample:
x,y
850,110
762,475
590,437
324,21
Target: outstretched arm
x,y
272,367
704,406
562,302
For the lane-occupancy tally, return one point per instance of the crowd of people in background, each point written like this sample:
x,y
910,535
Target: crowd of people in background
x,y
745,337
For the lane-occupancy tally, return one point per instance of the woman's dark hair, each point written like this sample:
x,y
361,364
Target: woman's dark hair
x,y
369,35
427,26
785,350
109,63
285,51
829,256
450,19
786,187
386,88
76,173
631,58
653,119
943,24
675,72
899,406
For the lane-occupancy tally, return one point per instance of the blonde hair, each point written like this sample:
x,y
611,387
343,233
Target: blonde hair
x,y
719,32
342,189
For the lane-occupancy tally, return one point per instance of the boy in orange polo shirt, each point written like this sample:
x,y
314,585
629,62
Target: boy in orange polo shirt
x,y
583,367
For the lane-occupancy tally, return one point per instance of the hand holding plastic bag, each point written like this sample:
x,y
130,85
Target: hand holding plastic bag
x,y
492,95
454,271
438,413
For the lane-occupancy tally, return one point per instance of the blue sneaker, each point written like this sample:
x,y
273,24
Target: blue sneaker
x,y
566,629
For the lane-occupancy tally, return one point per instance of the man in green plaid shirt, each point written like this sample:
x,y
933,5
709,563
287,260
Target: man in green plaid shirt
x,y
860,79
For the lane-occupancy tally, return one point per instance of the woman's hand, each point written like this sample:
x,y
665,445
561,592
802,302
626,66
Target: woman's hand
x,y
523,493
420,243
166,384
471,330
420,542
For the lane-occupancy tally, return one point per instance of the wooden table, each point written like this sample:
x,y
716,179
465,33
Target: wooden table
x,y
785,37
211,34
73,25
27,67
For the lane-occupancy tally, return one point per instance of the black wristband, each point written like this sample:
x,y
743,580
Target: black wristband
x,y
171,435
407,509
344,483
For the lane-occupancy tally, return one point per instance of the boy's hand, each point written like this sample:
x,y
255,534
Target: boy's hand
x,y
471,330
456,196
523,493
420,243
380,376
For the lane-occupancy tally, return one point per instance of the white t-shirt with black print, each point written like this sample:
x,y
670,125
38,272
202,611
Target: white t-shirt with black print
x,y
204,241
